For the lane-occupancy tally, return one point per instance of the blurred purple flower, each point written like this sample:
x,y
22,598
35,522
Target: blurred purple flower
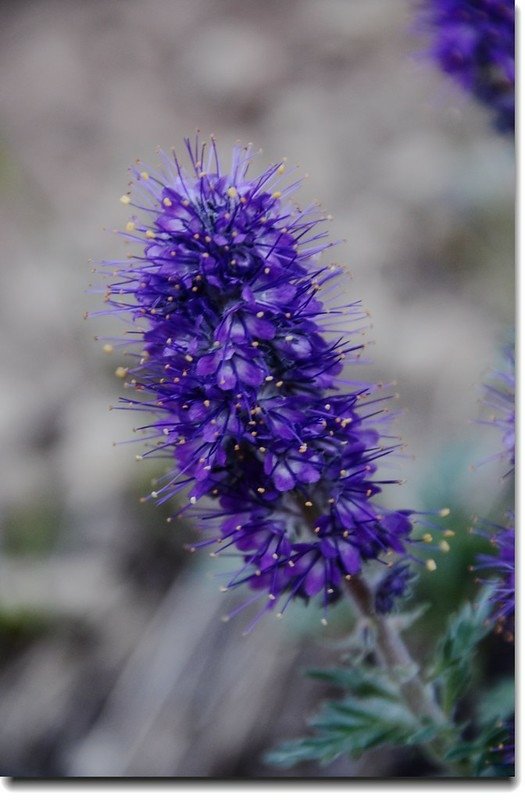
x,y
473,41
501,568
500,399
240,362
392,586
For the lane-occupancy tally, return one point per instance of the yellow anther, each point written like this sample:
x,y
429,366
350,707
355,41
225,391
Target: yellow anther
x,y
130,226
232,192
444,546
427,537
431,565
261,490
121,372
276,195
144,175
108,348
281,169
448,533
150,234
125,200
167,202
444,512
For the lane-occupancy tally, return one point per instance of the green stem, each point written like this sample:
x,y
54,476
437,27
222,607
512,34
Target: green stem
x,y
394,656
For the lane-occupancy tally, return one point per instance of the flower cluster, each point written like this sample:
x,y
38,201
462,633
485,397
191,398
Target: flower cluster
x,y
500,400
239,365
473,41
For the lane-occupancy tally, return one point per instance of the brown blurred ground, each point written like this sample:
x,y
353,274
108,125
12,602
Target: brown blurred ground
x,y
114,659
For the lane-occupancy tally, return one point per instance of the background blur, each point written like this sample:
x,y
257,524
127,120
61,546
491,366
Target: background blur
x,y
113,659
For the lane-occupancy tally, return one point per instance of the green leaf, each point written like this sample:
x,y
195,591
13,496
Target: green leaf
x,y
484,753
454,657
498,702
405,619
372,713
426,733
319,749
358,681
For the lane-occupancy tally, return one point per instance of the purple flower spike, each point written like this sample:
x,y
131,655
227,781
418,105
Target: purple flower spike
x,y
238,364
473,42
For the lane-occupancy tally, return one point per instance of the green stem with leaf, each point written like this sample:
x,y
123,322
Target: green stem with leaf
x,y
389,702
393,655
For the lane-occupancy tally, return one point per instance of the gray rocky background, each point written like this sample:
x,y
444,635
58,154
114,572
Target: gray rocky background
x,y
113,658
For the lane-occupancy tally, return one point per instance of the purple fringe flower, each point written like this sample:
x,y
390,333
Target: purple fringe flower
x,y
473,42
239,361
501,568
500,399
